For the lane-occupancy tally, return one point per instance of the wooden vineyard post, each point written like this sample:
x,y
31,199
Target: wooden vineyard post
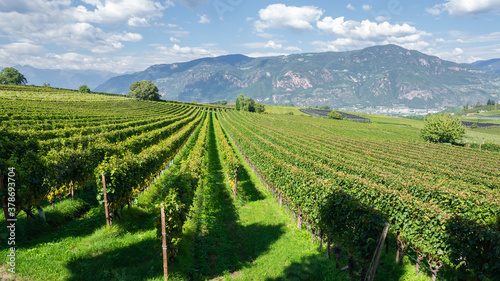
x,y
72,191
106,210
376,256
164,243
397,246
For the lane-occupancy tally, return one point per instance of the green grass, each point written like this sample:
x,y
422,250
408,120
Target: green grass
x,y
390,120
85,249
276,109
480,135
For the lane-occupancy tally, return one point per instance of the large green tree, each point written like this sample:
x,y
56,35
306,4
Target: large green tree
x,y
144,90
10,75
443,128
240,98
247,104
84,89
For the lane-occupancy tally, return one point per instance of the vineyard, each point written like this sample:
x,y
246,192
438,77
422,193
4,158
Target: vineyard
x,y
339,181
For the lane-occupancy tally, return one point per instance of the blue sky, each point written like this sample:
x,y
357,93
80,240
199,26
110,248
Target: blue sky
x,y
130,35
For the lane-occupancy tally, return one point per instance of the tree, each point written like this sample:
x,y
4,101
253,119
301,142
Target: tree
x,y
442,128
247,104
259,107
335,115
223,102
238,101
490,102
325,107
10,75
144,90
46,85
84,89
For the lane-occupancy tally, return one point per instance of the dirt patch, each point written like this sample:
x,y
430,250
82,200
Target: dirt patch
x,y
5,275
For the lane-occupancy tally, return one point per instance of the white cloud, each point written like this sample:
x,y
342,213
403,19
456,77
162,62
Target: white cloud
x,y
464,37
115,11
22,48
292,18
355,35
204,19
174,40
381,18
269,54
350,7
177,53
138,22
271,44
436,11
169,3
57,22
367,8
367,30
458,51
460,8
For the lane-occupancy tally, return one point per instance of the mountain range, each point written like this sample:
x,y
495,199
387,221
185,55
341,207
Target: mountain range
x,y
375,76
386,75
68,79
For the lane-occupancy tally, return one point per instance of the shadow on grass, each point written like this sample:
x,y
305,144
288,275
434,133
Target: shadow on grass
x,y
34,232
30,232
140,261
247,189
318,267
222,244
60,221
310,268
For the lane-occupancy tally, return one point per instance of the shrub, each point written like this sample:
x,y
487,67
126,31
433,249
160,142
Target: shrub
x,y
335,115
442,128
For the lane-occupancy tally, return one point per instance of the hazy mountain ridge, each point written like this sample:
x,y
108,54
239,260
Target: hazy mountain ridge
x,y
374,76
68,79
492,65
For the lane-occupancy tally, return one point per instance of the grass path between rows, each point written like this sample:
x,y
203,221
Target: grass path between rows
x,y
250,239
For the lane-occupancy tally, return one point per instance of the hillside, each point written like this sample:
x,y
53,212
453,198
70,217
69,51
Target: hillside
x,y
492,65
374,76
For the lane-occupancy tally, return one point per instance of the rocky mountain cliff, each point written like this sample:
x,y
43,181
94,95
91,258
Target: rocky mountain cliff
x,y
375,76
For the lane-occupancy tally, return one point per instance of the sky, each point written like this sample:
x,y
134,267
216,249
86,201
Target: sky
x,y
124,36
